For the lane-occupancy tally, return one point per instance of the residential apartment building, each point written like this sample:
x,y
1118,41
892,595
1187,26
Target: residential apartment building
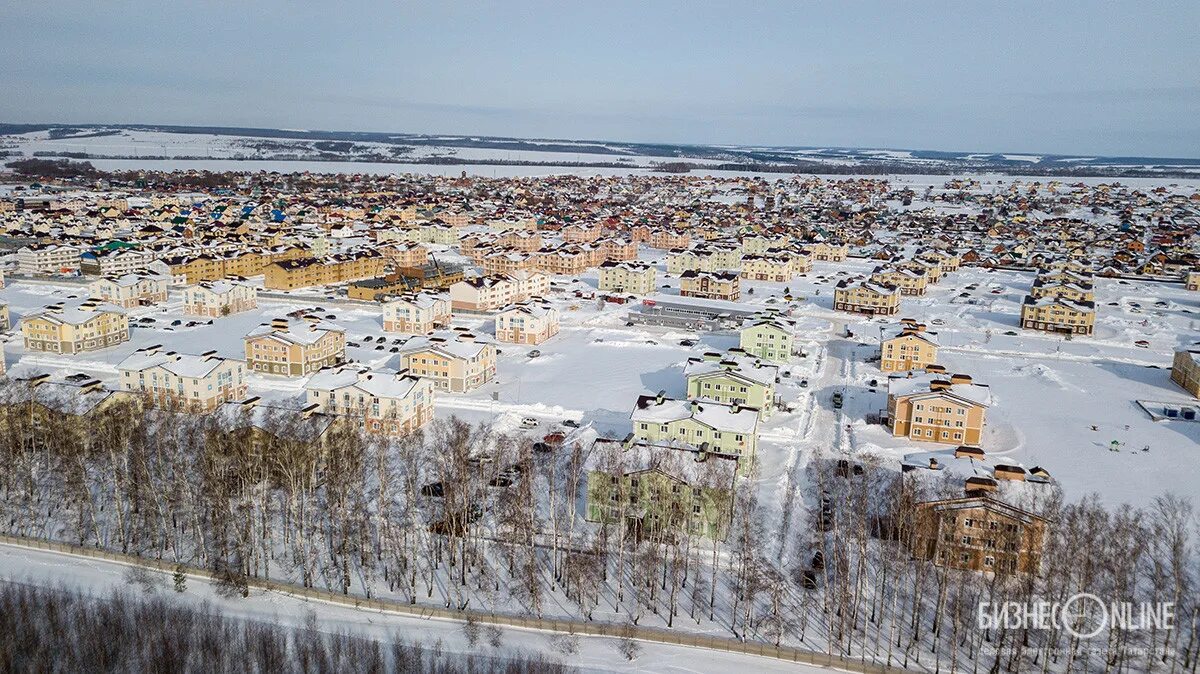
x,y
937,407
87,326
528,322
650,487
628,277
489,293
908,346
767,267
910,282
978,533
730,430
219,298
387,403
42,259
311,271
454,362
183,381
866,297
769,338
1074,291
115,261
1193,280
294,348
731,380
417,314
131,290
827,252
5,320
1185,369
1056,314
668,239
710,285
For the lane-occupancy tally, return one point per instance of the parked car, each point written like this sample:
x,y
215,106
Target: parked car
x,y
535,353
529,422
837,400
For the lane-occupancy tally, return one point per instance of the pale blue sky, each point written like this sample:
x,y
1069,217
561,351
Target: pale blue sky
x,y
1058,77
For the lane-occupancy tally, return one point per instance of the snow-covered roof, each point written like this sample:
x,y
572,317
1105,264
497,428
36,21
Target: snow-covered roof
x,y
179,364
916,384
715,415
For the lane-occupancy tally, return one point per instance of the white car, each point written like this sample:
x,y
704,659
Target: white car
x,y
529,422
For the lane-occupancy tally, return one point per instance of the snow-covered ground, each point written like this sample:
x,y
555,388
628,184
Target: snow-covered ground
x,y
1058,403
596,654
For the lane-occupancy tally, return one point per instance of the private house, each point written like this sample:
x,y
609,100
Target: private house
x,y
294,348
707,426
418,314
710,285
529,322
1185,369
1056,314
131,290
866,297
183,381
628,278
457,362
651,487
768,337
87,326
387,403
910,282
978,533
908,346
936,407
733,380
219,298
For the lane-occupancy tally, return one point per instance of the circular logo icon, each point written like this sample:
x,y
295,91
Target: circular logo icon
x,y
1083,615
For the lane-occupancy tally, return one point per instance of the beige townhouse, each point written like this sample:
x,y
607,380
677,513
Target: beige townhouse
x,y
183,381
529,322
866,297
628,278
294,348
53,258
131,290
908,346
767,267
417,314
75,328
386,403
489,293
1057,314
219,298
710,285
457,362
909,281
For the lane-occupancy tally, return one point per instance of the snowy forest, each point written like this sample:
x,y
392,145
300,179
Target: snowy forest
x,y
465,517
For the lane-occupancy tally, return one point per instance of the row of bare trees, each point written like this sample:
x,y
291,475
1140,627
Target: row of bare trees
x,y
465,517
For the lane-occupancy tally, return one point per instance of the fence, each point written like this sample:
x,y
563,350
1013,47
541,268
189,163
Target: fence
x,y
578,627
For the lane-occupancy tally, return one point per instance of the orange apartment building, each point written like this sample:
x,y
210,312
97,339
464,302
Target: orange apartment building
x,y
936,407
